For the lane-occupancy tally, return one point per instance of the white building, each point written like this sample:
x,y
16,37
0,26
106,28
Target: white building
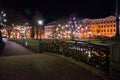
x,y
48,31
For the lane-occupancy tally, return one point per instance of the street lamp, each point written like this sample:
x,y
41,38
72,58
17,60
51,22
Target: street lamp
x,y
40,23
117,18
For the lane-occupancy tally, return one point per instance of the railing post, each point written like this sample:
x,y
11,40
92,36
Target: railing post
x,y
115,59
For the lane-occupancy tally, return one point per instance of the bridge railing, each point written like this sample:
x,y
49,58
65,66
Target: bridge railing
x,y
95,55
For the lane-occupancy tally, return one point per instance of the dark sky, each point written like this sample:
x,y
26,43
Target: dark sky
x,y
53,9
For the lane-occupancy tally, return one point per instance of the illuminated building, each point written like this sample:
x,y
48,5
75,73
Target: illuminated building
x,y
48,31
105,27
101,27
18,31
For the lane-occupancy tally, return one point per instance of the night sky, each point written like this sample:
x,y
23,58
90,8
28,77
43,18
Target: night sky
x,y
54,9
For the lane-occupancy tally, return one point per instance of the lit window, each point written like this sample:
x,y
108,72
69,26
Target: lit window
x,y
111,30
114,30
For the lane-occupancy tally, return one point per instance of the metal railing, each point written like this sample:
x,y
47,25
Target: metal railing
x,y
92,54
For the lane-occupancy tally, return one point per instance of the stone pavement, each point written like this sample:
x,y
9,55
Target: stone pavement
x,y
43,66
12,48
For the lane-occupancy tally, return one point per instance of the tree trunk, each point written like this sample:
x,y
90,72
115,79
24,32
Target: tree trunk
x,y
0,36
32,32
8,34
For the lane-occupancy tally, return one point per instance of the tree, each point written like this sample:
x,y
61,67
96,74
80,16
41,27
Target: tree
x,y
73,20
15,18
58,28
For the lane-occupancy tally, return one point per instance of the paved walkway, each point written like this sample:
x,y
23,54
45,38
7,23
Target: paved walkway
x,y
44,67
12,48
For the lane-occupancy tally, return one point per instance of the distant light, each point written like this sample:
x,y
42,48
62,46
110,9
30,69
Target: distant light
x,y
59,25
5,20
78,27
66,25
57,29
2,12
12,24
82,29
74,18
69,31
89,54
62,27
73,32
75,22
4,15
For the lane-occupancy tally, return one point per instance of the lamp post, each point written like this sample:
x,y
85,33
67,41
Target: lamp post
x,y
40,23
117,18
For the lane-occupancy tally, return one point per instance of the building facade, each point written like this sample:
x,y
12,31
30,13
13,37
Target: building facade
x,y
17,31
48,31
101,27
105,27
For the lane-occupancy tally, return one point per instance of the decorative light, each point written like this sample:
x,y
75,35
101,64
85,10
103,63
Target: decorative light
x,y
89,54
82,29
57,29
73,32
78,27
62,27
4,14
59,25
5,20
74,18
69,31
66,25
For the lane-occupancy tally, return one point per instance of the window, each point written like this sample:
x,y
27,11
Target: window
x,y
114,25
104,26
111,30
104,30
114,30
101,30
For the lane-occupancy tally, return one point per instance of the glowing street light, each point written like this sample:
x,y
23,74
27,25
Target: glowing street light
x,y
40,22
